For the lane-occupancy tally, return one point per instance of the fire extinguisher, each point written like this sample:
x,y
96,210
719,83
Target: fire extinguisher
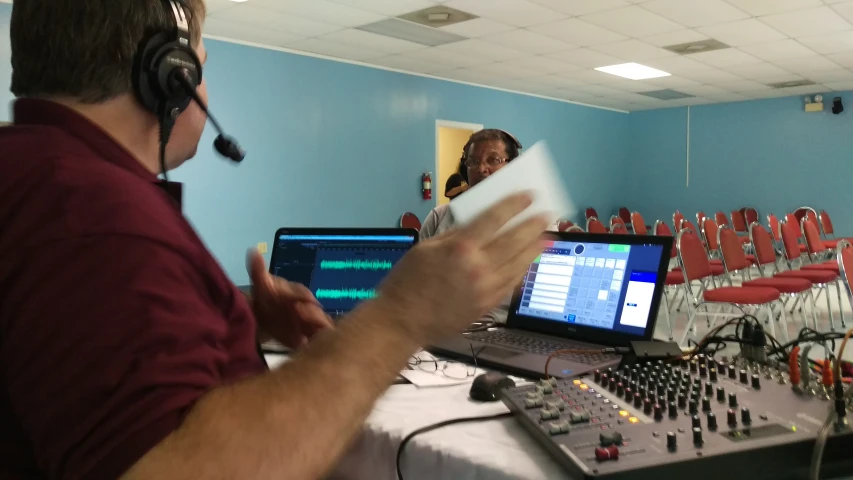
x,y
427,185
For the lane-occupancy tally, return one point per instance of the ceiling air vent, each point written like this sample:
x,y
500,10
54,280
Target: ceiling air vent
x,y
438,16
665,94
413,32
697,47
793,83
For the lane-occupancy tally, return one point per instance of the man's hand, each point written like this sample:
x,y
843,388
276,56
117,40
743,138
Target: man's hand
x,y
285,310
451,280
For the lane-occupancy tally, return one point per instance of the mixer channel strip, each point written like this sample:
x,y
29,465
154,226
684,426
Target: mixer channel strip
x,y
691,418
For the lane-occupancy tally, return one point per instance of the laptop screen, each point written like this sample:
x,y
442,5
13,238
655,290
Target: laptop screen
x,y
595,284
340,267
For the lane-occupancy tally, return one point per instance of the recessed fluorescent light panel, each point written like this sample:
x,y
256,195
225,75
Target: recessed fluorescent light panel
x,y
633,71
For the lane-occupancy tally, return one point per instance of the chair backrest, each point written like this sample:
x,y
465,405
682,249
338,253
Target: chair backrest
x,y
677,217
574,228
564,225
738,222
791,246
765,253
614,219
792,218
804,212
731,249
625,215
590,212
661,229
692,256
700,216
775,227
618,228
812,235
685,223
410,220
750,215
709,231
595,226
826,223
639,224
721,219
845,264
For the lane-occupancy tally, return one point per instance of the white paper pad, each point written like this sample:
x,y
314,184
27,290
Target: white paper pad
x,y
533,171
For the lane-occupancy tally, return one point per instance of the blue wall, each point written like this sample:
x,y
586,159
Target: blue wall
x,y
769,154
333,144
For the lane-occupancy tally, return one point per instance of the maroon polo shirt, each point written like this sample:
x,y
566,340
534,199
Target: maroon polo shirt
x,y
114,317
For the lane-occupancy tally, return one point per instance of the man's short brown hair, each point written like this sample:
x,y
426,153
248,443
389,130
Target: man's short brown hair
x,y
85,48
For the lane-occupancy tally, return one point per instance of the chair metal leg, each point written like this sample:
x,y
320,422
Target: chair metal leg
x,y
666,313
840,309
691,317
813,301
829,308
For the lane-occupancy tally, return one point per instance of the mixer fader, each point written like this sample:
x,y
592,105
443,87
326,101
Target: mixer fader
x,y
700,418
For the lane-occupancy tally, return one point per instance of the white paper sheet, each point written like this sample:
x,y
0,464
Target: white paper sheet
x,y
533,171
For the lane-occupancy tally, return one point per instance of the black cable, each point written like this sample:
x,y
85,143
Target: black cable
x,y
165,134
435,426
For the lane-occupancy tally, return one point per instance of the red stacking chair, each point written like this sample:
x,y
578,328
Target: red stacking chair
x,y
709,236
721,219
590,212
618,228
564,225
826,224
739,223
804,212
819,251
639,224
410,220
736,261
821,275
750,215
845,264
674,279
625,215
574,228
695,265
677,218
716,263
595,226
700,215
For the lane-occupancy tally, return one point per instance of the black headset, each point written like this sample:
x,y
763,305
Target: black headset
x,y
508,138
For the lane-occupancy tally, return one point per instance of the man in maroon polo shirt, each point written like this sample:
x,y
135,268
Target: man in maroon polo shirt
x,y
125,352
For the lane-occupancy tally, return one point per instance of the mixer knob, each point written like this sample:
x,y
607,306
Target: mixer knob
x,y
731,417
642,391
638,400
696,421
721,367
684,363
613,384
712,422
610,371
706,404
703,370
647,406
682,400
709,389
661,389
732,400
712,374
697,381
732,372
693,407
670,394
597,375
605,379
697,437
633,385
673,410
693,366
620,389
658,412
745,416
743,377
629,394
756,381
635,374
671,441
721,394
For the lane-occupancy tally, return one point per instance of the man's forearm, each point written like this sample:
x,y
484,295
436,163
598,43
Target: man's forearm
x,y
294,422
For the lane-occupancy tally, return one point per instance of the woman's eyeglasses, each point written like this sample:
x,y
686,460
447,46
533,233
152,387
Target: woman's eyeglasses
x,y
490,162
458,371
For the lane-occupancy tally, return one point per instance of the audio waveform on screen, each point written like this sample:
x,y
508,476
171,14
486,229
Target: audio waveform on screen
x,y
355,265
351,293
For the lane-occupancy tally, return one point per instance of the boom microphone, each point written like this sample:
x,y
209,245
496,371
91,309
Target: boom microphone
x,y
224,145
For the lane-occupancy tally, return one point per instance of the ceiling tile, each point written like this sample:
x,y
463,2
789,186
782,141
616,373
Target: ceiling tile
x,y
672,81
322,11
247,33
593,77
710,75
829,43
409,64
371,41
578,32
729,97
542,65
585,57
843,59
743,32
520,13
835,75
767,7
633,21
555,81
468,75
845,10
478,27
598,90
502,70
805,65
742,86
478,48
696,14
812,21
333,49
772,51
633,50
761,72
528,41
674,38
703,90
213,6
443,57
839,86
391,8
581,7
271,20
806,89
676,65
728,57
634,86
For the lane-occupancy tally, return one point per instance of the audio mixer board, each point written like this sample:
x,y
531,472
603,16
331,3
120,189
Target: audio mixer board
x,y
700,419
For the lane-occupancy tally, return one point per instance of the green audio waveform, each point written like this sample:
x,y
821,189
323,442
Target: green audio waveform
x,y
352,294
355,265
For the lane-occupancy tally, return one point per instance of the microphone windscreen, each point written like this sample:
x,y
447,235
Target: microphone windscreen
x,y
229,148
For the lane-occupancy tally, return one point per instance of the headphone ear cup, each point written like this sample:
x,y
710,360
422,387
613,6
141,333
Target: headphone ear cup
x,y
155,64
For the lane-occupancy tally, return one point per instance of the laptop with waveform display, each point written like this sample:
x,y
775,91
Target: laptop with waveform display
x,y
341,266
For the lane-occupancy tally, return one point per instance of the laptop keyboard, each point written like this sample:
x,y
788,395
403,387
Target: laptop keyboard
x,y
539,346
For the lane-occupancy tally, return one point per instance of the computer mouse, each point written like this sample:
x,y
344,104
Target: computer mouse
x,y
486,386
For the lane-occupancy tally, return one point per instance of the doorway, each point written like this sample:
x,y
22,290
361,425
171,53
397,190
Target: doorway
x,y
450,139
